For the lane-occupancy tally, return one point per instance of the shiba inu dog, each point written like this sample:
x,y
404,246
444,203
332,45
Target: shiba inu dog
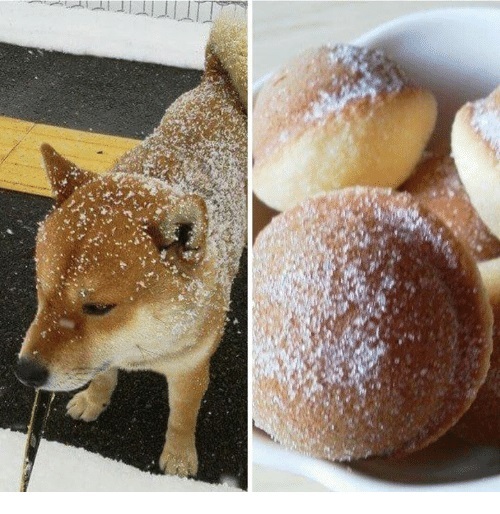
x,y
134,267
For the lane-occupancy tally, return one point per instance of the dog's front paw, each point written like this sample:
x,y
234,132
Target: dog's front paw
x,y
83,406
181,460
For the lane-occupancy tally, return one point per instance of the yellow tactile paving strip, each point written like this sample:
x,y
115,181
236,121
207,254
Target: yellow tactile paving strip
x,y
20,161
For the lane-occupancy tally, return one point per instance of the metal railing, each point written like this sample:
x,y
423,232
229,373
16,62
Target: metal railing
x,y
194,11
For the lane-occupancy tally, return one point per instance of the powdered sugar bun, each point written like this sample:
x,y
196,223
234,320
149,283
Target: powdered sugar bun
x,y
337,116
481,423
475,143
435,182
372,330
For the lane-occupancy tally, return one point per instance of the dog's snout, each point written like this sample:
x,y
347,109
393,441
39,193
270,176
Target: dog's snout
x,y
31,373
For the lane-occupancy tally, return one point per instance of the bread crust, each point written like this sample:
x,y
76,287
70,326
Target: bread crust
x,y
335,117
481,423
436,183
372,329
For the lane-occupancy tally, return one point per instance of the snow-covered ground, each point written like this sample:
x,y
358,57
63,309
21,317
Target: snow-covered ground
x,y
104,34
65,468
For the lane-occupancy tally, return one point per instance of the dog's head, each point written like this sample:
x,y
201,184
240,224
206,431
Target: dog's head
x,y
120,269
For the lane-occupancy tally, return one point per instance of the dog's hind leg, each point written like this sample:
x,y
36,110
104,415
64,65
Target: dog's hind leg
x,y
185,392
89,403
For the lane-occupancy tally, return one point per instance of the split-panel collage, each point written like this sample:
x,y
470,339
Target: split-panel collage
x,y
250,247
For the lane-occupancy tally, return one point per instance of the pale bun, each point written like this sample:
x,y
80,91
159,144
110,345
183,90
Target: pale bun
x,y
475,143
337,116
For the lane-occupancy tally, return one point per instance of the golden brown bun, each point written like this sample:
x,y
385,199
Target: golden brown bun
x,y
481,423
475,143
372,329
337,116
436,184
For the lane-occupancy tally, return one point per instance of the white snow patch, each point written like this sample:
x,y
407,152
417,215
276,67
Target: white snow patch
x,y
67,323
104,34
65,468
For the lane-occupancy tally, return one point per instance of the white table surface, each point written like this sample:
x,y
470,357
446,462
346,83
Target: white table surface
x,y
281,30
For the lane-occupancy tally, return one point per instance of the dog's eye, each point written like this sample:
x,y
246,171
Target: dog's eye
x,y
97,309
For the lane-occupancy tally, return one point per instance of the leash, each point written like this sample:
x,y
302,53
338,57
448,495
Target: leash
x,y
39,415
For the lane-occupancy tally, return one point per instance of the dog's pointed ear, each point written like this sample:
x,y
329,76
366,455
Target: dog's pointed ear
x,y
184,226
63,175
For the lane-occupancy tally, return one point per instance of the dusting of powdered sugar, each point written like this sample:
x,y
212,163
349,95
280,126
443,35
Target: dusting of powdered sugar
x,y
344,325
314,311
486,120
357,74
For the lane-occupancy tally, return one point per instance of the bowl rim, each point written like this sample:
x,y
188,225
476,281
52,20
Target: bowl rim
x,y
449,13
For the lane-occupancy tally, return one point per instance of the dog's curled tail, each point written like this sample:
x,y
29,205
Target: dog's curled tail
x,y
227,47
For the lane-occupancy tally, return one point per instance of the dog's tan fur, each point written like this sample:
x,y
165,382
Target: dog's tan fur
x,y
117,240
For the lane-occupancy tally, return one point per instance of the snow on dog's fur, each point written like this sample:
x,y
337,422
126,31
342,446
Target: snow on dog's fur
x,y
134,268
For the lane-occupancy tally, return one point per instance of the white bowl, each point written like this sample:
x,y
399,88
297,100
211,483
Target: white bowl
x,y
456,54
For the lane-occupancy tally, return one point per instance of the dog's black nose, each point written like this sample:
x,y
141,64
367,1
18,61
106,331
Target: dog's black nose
x,y
30,372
